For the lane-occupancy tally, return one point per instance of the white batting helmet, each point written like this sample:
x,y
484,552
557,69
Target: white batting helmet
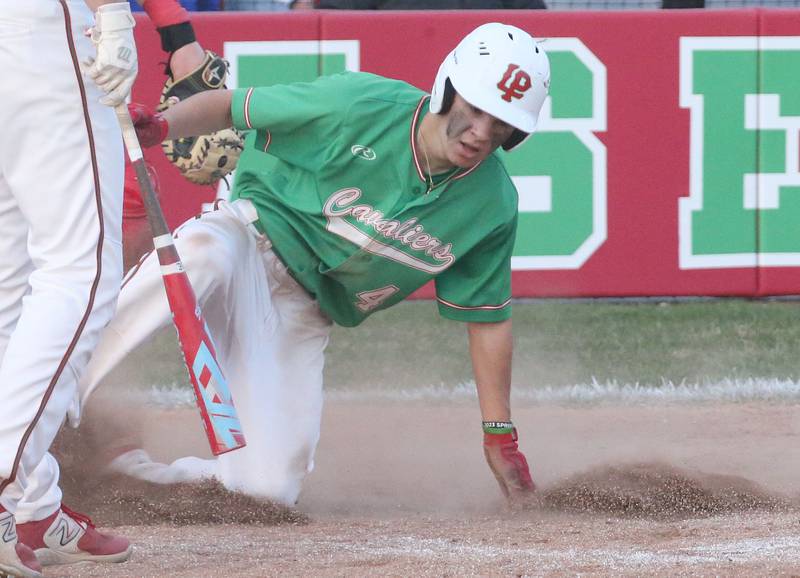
x,y
501,70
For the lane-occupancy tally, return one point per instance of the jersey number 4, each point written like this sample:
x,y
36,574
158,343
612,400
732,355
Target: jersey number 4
x,y
369,300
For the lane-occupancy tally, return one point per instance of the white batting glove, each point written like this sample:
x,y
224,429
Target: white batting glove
x,y
114,69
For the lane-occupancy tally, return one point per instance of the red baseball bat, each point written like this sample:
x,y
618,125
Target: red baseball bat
x,y
220,420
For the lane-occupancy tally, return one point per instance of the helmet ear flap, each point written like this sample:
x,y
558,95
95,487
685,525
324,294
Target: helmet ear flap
x,y
448,96
515,139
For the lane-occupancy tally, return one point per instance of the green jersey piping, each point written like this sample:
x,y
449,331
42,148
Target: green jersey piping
x,y
246,106
478,308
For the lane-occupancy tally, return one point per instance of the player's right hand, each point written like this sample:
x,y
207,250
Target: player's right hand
x,y
509,467
151,128
115,66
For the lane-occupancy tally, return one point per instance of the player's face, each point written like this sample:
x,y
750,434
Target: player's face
x,y
472,134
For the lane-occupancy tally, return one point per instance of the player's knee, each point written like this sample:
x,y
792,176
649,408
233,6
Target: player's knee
x,y
277,476
281,490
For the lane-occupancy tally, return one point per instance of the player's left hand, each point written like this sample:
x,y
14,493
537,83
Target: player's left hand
x,y
509,467
115,66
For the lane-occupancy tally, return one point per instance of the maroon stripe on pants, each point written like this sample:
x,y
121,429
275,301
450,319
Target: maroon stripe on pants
x,y
96,282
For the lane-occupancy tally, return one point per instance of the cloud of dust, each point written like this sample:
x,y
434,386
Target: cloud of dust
x,y
388,460
111,425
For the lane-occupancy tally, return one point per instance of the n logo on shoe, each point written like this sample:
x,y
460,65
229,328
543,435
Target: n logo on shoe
x,y
66,530
9,529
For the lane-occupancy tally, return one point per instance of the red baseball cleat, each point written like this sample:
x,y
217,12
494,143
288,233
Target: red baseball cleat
x,y
66,537
16,559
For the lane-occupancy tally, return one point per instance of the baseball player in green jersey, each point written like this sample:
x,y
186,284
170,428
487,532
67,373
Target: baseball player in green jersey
x,y
354,190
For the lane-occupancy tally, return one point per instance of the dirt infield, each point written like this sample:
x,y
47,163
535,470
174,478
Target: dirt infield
x,y
401,489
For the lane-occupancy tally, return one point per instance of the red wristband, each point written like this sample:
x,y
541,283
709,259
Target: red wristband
x,y
165,12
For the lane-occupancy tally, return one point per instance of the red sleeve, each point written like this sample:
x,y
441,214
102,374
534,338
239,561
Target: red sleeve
x,y
165,12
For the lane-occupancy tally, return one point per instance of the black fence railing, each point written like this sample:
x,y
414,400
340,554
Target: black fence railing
x,y
657,4
281,5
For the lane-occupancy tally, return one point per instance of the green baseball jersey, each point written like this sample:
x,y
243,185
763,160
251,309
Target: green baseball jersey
x,y
339,186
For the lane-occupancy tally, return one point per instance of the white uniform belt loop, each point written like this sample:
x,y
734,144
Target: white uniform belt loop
x,y
246,211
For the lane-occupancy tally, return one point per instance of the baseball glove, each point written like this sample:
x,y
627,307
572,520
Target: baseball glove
x,y
201,159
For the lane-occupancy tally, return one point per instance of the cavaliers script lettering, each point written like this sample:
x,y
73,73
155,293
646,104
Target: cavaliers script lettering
x,y
409,232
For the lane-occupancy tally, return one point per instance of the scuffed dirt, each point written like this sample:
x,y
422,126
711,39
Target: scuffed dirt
x,y
625,491
658,491
115,501
112,499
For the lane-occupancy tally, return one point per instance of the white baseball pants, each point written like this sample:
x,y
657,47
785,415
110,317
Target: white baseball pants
x,y
269,334
61,172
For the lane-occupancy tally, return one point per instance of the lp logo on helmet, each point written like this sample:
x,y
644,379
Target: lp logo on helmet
x,y
514,83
